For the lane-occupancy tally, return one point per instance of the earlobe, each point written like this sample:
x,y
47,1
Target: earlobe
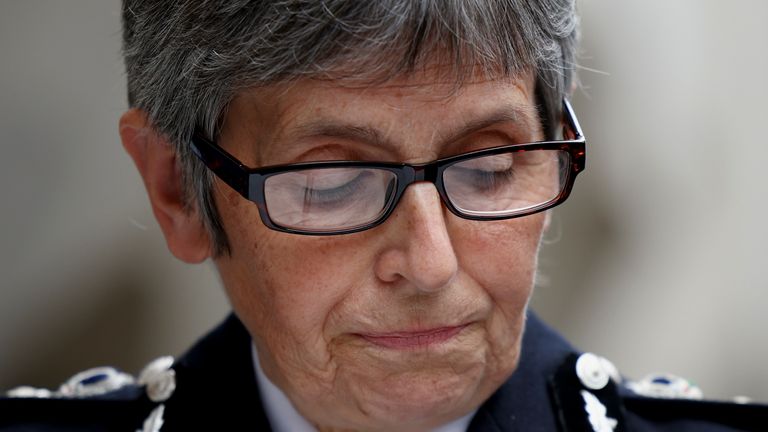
x,y
156,161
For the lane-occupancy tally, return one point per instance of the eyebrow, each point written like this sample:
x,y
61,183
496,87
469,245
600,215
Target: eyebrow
x,y
522,115
332,128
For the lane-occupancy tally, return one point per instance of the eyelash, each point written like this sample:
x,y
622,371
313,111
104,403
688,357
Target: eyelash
x,y
489,180
327,197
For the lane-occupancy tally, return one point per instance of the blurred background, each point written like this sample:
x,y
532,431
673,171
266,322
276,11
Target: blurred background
x,y
657,262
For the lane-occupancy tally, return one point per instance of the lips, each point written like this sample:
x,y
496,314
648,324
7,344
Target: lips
x,y
414,339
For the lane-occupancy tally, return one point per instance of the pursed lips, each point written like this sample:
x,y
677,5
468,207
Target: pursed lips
x,y
403,340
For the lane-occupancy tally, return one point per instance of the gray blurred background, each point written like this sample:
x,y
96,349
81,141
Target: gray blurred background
x,y
658,260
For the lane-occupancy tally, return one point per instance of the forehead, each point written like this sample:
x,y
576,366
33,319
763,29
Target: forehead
x,y
431,84
423,107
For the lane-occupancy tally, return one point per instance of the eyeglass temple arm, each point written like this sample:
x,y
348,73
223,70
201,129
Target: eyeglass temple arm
x,y
222,164
573,122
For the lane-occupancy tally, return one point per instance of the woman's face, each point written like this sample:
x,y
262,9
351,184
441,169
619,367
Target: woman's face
x,y
407,325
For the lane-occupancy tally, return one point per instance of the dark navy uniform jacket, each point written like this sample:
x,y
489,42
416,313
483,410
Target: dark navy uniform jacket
x,y
216,390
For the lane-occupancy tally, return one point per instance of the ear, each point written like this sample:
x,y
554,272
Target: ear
x,y
155,159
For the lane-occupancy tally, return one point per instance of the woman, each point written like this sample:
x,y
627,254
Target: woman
x,y
371,180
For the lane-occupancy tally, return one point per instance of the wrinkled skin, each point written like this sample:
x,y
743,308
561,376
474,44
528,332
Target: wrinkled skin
x,y
315,306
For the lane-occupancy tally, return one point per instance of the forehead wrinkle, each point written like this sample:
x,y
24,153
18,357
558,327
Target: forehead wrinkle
x,y
289,126
518,114
522,115
267,121
434,135
340,129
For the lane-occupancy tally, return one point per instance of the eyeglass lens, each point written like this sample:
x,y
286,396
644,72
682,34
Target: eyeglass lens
x,y
324,199
327,199
506,183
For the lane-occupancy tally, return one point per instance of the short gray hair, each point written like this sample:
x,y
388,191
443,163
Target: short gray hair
x,y
185,60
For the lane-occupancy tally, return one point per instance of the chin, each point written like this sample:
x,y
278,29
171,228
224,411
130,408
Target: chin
x,y
418,390
419,400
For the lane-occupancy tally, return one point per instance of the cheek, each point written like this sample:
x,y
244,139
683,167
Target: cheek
x,y
501,255
285,287
307,278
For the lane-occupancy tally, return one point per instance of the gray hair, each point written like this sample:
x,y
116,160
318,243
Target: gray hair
x,y
185,60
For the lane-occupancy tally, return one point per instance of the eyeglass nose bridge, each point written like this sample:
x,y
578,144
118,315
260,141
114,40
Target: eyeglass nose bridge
x,y
424,172
417,173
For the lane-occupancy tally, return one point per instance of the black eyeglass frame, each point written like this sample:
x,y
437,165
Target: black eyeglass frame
x,y
249,182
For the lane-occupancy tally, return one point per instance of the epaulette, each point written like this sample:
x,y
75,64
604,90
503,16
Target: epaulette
x,y
98,399
590,395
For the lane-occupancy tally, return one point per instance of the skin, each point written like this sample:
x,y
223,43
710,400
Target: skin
x,y
323,311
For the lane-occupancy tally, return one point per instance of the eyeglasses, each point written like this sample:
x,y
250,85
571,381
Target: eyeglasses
x,y
341,197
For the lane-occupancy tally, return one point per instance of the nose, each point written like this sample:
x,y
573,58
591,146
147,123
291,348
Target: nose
x,y
418,253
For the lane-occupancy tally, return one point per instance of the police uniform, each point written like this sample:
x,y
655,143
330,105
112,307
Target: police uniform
x,y
214,387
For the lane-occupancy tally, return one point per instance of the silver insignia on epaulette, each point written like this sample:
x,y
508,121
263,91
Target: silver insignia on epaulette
x,y
595,372
666,386
29,392
159,379
597,413
91,382
95,381
155,421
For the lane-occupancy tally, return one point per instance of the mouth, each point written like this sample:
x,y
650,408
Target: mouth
x,y
413,339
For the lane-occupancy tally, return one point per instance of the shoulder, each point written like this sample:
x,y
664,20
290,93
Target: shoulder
x,y
211,387
588,393
556,387
98,399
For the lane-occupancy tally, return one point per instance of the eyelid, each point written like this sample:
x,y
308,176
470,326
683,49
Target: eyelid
x,y
332,179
